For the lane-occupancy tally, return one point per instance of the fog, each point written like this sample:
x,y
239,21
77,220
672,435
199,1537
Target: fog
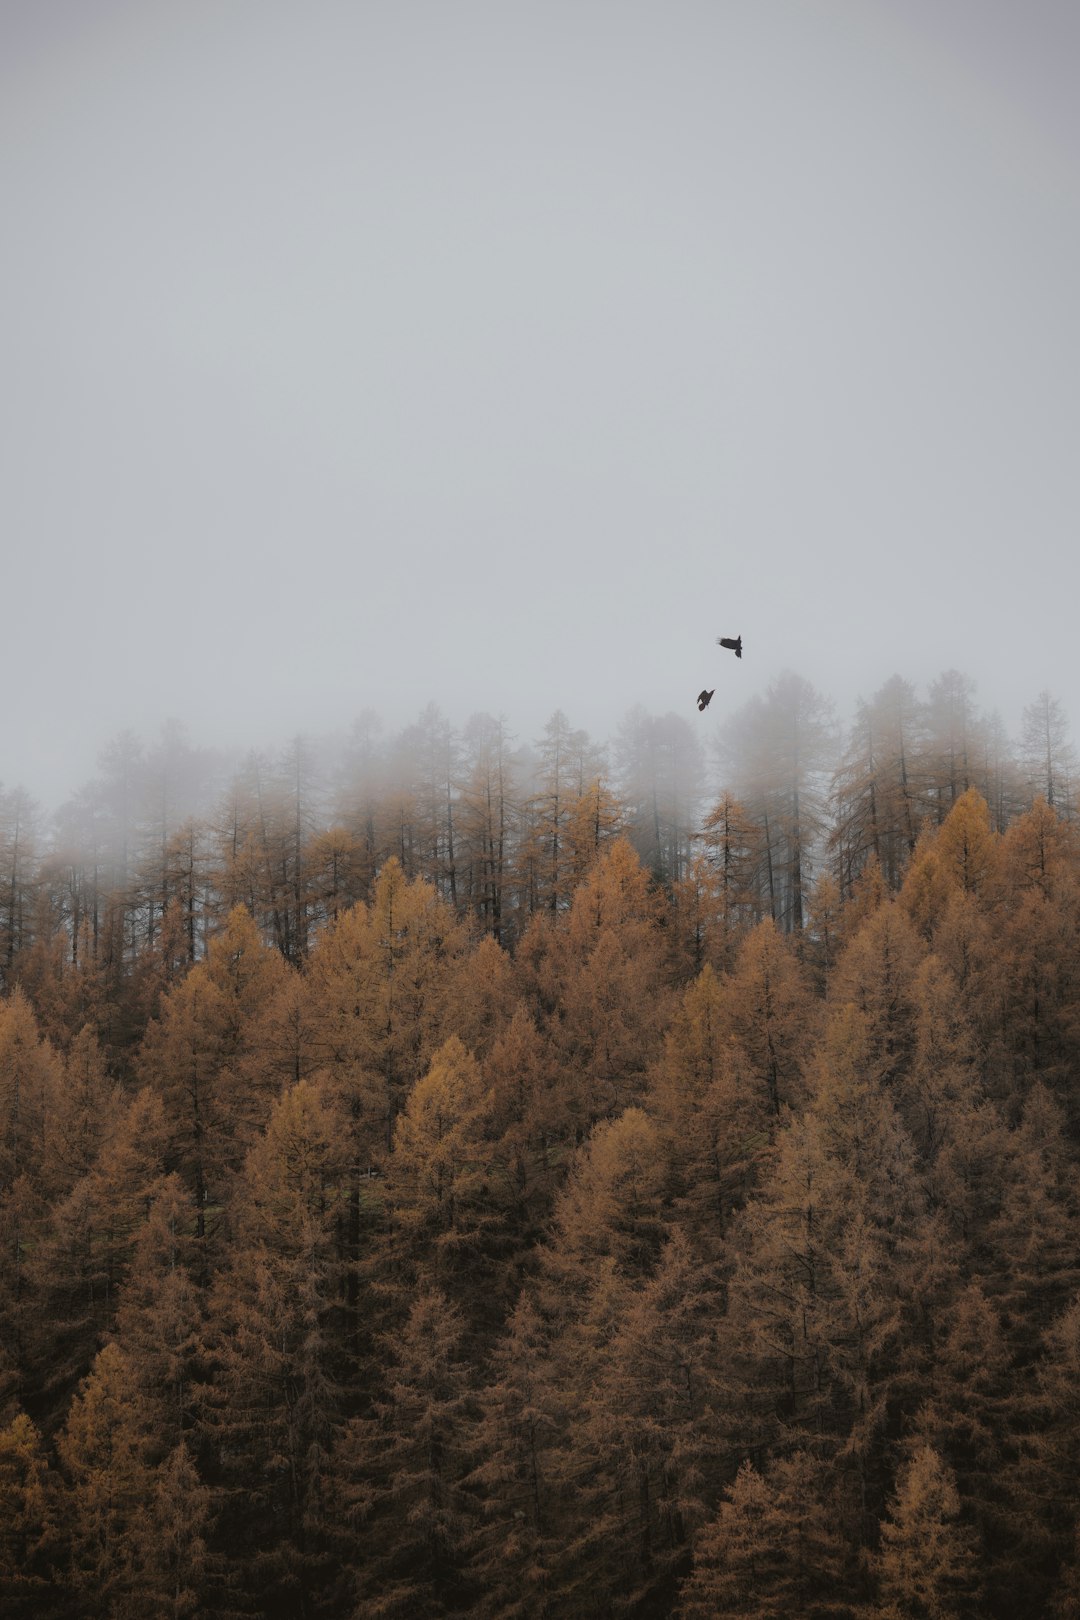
x,y
504,355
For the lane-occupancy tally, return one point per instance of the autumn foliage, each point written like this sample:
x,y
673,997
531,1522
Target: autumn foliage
x,y
524,1227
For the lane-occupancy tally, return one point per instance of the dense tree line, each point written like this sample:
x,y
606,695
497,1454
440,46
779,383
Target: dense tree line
x,y
518,1183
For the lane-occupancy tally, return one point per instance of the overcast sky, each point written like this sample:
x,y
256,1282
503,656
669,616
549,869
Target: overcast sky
x,y
503,355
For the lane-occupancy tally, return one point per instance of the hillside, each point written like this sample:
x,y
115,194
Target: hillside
x,y
501,1203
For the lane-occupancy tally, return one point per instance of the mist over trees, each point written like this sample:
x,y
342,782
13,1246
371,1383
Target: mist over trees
x,y
447,1176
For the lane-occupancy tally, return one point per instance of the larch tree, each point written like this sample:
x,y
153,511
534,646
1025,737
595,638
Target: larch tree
x,y
779,751
611,1209
566,763
635,1454
734,848
1043,1483
429,764
31,1079
488,795
699,928
357,790
337,874
271,1405
596,981
875,787
876,974
446,1230
31,1586
103,1452
84,1115
512,1436
20,826
928,1564
527,1127
594,820
971,1417
952,740
1031,1267
81,1258
159,1321
380,984
772,1550
660,771
768,1004
484,996
716,1121
829,1262
1039,850
1046,755
215,1057
407,1516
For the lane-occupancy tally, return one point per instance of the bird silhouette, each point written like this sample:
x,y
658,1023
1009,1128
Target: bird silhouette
x,y
733,643
704,699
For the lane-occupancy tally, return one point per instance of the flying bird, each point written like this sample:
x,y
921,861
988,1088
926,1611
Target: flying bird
x,y
704,699
733,643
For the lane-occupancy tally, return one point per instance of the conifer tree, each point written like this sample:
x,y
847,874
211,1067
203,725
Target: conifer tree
x,y
968,848
483,997
972,1415
20,821
927,1565
103,1453
159,1322
876,975
170,1543
564,760
446,1230
632,1458
215,1058
1042,1485
875,787
595,820
597,983
1040,851
512,1441
271,1404
733,846
715,1117
380,986
831,1258
488,798
702,926
526,1125
405,1467
30,1082
952,739
1032,1257
768,1003
611,1208
30,1539
942,1082
84,1115
660,774
77,1267
1047,758
772,1551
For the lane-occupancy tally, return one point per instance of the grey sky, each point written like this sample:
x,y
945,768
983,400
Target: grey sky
x,y
506,354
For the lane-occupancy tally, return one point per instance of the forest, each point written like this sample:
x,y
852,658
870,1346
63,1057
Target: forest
x,y
441,1177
